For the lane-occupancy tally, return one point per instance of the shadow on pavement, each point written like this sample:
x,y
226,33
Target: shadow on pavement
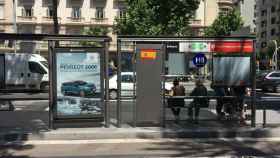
x,y
7,149
195,148
24,122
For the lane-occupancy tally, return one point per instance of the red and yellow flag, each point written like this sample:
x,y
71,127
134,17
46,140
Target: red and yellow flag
x,y
148,54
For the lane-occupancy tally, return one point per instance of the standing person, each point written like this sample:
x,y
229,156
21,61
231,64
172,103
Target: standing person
x,y
240,92
220,93
177,103
199,90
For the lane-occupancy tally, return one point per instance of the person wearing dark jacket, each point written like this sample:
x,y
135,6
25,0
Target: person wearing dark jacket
x,y
199,90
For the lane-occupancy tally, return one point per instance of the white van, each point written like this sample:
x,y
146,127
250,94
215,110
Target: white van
x,y
23,71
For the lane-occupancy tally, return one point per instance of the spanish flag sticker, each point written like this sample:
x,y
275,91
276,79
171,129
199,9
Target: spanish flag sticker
x,y
148,54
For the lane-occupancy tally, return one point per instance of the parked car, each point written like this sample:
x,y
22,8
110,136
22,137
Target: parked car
x,y
127,85
78,88
269,81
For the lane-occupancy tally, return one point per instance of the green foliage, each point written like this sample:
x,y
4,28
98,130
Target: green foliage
x,y
270,49
157,17
94,31
225,24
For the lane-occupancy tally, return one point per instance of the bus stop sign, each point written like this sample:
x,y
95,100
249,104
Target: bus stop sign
x,y
199,60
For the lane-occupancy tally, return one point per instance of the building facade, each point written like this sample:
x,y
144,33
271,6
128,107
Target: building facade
x,y
208,11
267,14
35,16
247,11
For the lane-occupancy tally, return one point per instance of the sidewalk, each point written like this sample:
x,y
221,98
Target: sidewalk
x,y
182,130
33,125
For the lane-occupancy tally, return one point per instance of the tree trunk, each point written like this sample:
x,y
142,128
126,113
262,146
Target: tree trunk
x,y
55,20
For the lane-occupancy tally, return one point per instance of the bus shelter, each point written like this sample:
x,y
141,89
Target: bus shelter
x,y
76,73
155,62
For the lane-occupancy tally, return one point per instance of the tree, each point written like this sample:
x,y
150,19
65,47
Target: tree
x,y
270,49
157,17
94,31
225,24
55,19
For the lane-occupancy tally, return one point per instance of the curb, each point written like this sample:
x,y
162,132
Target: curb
x,y
138,133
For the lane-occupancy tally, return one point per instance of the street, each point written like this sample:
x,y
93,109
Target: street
x,y
26,110
113,148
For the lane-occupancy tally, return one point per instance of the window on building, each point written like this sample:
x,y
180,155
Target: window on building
x,y
263,1
263,44
122,13
76,13
99,14
263,23
1,11
2,41
264,13
27,11
224,11
272,32
273,9
50,12
273,20
263,34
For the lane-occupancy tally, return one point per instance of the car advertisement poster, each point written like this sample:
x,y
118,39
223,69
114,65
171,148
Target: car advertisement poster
x,y
78,84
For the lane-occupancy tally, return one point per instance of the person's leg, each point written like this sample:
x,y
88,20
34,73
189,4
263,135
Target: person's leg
x,y
197,110
219,107
190,113
174,111
178,111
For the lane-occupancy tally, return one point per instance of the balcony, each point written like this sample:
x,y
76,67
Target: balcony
x,y
26,19
75,20
225,2
196,23
100,21
1,22
49,19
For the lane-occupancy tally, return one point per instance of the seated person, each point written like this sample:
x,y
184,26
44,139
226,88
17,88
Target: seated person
x,y
176,103
199,90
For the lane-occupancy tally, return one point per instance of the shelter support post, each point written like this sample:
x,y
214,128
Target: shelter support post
x,y
119,109
51,101
253,122
107,117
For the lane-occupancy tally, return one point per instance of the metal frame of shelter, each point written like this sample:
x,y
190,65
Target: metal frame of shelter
x,y
165,40
52,39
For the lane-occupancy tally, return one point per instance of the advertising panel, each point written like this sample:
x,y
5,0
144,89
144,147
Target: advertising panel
x,y
196,47
231,71
79,88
